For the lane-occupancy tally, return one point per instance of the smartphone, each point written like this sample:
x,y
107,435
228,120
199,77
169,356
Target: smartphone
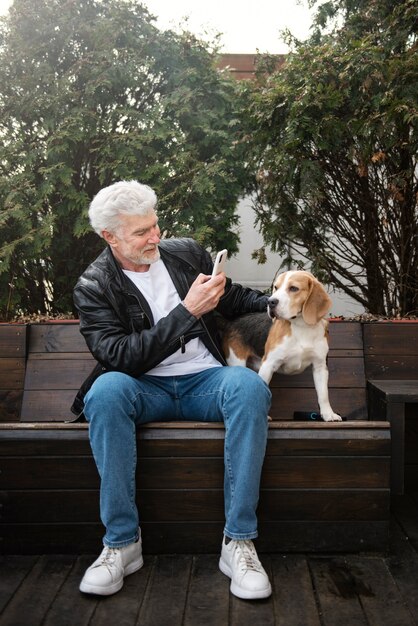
x,y
219,262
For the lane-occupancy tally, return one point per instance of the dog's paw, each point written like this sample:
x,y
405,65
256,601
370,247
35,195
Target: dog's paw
x,y
331,417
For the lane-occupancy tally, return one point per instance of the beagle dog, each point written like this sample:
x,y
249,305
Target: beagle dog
x,y
291,337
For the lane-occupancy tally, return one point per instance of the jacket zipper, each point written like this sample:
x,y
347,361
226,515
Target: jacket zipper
x,y
134,295
221,358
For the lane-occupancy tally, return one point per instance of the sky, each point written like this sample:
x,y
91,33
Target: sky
x,y
246,25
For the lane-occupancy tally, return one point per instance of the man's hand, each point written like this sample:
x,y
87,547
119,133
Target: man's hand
x,y
204,294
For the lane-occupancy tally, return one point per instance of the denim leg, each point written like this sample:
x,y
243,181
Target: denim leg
x,y
241,399
114,405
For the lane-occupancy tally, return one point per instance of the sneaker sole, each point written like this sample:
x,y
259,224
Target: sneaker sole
x,y
244,594
116,586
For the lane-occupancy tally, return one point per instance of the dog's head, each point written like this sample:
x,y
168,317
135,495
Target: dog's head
x,y
298,294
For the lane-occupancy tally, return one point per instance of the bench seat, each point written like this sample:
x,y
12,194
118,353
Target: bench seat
x,y
325,487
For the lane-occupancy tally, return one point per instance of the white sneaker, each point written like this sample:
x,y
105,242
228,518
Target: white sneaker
x,y
105,576
240,562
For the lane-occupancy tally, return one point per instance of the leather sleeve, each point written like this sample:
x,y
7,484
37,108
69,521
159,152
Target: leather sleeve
x,y
238,300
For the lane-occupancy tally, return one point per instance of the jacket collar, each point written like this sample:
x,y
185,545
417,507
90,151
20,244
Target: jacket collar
x,y
174,263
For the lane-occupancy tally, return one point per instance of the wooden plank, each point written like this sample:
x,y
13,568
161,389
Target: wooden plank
x,y
397,390
344,372
294,595
66,337
12,373
49,574
48,405
13,340
208,598
51,538
320,473
199,537
398,367
274,536
48,374
349,403
338,592
191,438
402,563
200,473
193,430
345,335
391,338
70,606
54,405
281,442
56,337
51,506
284,441
62,373
361,589
12,370
39,439
13,569
10,403
275,504
381,602
77,506
57,357
169,572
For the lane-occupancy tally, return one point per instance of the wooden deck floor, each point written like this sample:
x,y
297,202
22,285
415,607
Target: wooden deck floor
x,y
171,590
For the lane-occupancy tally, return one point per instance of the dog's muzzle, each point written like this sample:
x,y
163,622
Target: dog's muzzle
x,y
271,307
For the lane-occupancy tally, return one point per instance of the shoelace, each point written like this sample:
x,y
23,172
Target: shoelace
x,y
108,558
248,558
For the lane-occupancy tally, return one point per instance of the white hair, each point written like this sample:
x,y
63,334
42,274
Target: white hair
x,y
122,198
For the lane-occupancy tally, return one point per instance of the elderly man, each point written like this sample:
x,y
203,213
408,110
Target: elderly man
x,y
146,312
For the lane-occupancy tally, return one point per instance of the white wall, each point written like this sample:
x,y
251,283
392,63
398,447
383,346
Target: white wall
x,y
246,271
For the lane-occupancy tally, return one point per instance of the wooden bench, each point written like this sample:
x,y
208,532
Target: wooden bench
x,y
325,487
388,400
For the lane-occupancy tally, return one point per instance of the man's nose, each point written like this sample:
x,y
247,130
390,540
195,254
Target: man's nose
x,y
155,235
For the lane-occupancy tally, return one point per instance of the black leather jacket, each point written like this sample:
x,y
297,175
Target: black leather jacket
x,y
117,323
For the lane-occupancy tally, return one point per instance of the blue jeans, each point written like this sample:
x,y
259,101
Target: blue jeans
x,y
117,403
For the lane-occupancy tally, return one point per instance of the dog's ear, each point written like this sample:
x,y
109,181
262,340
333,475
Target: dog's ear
x,y
278,280
317,304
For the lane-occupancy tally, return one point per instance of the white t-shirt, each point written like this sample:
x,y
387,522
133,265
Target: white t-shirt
x,y
159,291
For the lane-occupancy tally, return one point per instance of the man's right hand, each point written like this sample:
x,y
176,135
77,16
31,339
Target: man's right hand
x,y
204,294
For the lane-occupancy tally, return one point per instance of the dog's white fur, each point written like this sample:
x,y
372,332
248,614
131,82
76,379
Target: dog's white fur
x,y
299,334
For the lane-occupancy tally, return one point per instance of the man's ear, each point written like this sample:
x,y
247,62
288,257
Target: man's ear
x,y
109,237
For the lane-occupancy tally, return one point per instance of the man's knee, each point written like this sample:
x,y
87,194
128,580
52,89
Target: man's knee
x,y
250,386
109,391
